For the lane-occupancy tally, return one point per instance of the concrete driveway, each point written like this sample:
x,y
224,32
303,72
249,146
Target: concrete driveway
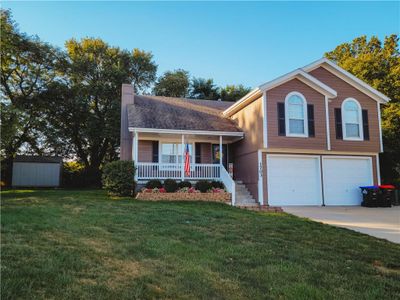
x,y
379,222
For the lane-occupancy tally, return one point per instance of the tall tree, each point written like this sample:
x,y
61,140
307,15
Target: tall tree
x,y
143,70
173,84
379,66
86,112
202,88
234,92
27,69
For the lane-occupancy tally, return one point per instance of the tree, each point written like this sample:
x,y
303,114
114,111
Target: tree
x,y
234,92
379,66
202,88
27,69
173,84
86,106
143,70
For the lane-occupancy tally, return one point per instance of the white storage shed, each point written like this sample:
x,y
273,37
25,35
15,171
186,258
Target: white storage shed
x,y
36,171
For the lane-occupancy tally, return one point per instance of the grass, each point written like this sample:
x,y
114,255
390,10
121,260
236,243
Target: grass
x,y
64,244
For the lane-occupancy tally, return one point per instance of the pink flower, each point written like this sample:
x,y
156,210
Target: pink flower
x,y
162,190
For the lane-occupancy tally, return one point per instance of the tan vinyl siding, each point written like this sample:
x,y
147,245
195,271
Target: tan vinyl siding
x,y
245,159
344,91
245,169
250,121
145,151
278,94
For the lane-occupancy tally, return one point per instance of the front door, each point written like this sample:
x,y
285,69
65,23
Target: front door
x,y
216,153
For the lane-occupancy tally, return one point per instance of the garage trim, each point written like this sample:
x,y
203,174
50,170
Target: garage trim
x,y
269,156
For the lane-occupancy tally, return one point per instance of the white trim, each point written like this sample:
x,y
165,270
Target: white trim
x,y
164,141
294,151
181,131
378,169
351,79
135,147
260,179
318,157
265,119
378,106
360,121
241,102
183,154
328,130
299,73
221,150
305,115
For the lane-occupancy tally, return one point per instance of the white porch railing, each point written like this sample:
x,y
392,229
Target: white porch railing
x,y
146,171
229,183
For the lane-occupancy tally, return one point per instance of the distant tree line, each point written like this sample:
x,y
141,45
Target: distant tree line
x,y
177,83
67,102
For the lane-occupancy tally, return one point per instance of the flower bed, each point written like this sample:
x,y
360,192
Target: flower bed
x,y
184,194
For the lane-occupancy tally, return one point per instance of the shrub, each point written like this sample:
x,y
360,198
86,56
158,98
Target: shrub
x,y
118,177
184,184
73,174
170,185
217,184
203,186
152,184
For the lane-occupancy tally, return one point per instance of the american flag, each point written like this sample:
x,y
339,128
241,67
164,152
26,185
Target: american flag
x,y
187,160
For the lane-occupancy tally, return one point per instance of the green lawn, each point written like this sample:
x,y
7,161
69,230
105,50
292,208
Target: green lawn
x,y
64,244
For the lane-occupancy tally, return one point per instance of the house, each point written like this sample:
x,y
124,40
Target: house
x,y
310,137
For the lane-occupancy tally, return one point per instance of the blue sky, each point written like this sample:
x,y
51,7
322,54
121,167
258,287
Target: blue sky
x,y
231,42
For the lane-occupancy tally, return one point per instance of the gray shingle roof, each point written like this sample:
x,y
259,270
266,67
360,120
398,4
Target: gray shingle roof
x,y
179,113
38,159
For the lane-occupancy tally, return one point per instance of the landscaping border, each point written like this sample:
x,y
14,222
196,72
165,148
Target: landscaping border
x,y
215,197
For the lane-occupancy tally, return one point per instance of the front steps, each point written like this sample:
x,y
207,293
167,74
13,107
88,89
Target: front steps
x,y
243,196
246,201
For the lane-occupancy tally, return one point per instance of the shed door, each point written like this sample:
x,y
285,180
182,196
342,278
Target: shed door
x,y
342,178
294,180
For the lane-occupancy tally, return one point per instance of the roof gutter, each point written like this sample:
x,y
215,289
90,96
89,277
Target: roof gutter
x,y
182,131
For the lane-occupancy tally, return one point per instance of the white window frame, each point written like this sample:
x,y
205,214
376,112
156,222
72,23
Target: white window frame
x,y
160,143
305,116
360,121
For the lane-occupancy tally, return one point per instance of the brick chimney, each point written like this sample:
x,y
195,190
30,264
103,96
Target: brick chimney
x,y
127,98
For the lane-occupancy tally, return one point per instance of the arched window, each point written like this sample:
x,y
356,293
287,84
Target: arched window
x,y
352,120
296,112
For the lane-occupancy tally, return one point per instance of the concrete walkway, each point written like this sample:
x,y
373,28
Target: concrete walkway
x,y
379,222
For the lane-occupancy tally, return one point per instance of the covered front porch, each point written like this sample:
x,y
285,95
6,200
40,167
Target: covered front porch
x,y
160,154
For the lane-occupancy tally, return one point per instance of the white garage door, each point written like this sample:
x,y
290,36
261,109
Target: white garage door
x,y
342,178
294,180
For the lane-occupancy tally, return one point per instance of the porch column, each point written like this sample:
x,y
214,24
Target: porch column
x,y
135,152
183,154
220,150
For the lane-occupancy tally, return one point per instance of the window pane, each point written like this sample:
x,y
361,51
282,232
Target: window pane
x,y
296,111
296,126
295,100
351,105
352,130
351,116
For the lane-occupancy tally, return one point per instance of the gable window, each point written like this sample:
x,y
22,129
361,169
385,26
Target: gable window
x,y
352,120
296,112
171,153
